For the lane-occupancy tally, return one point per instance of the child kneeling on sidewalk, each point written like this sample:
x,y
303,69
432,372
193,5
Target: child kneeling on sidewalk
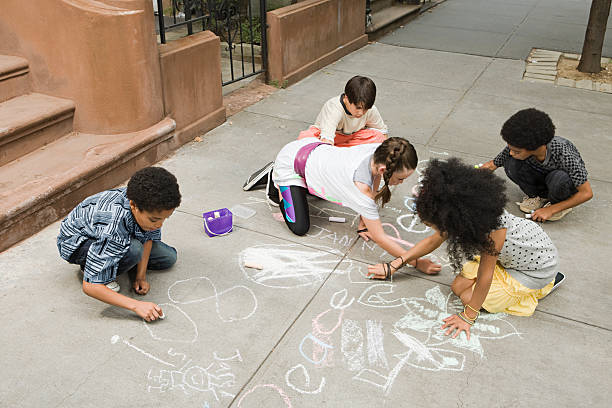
x,y
117,230
512,263
546,167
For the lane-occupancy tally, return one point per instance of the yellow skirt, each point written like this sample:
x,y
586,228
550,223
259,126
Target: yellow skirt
x,y
506,293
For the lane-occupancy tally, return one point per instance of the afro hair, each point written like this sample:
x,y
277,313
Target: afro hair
x,y
154,189
528,129
463,203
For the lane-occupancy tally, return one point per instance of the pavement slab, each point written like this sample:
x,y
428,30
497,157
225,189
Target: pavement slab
x,y
452,71
382,342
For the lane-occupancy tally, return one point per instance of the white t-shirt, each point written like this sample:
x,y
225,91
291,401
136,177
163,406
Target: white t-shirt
x,y
528,254
334,118
329,172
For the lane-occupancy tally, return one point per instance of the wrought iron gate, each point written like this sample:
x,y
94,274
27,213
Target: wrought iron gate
x,y
240,24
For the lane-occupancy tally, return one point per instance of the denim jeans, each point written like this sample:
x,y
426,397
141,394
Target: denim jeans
x,y
162,256
556,185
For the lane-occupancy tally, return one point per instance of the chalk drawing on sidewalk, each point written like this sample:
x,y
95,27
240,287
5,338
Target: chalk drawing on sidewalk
x,y
352,345
216,379
290,265
303,378
260,396
236,303
376,348
115,339
176,327
428,348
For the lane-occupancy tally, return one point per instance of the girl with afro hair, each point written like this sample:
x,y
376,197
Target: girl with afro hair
x,y
511,261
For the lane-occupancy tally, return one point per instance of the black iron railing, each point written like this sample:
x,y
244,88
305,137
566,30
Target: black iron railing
x,y
234,21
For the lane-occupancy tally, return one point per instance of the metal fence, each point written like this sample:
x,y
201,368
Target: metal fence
x,y
240,25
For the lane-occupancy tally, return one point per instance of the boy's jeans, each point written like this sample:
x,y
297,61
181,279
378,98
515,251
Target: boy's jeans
x,y
556,185
162,256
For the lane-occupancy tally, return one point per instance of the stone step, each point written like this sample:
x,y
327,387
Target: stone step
x,y
387,19
378,5
14,78
41,187
29,122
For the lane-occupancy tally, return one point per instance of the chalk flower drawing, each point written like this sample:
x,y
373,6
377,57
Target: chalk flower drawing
x,y
428,348
425,315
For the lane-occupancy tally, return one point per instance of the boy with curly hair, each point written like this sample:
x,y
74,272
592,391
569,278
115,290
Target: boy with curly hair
x,y
547,168
119,230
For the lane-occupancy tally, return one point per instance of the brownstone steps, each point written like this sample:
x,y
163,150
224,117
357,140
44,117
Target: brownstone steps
x,y
14,80
29,122
388,15
42,186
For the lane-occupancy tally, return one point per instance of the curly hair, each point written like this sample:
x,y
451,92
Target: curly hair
x,y
396,154
464,203
528,129
360,91
154,189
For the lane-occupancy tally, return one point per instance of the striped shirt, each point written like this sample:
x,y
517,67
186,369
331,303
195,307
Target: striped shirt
x,y
107,219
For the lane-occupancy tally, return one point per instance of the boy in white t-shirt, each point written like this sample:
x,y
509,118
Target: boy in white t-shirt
x,y
351,118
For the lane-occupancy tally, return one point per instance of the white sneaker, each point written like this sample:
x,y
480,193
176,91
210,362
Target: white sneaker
x,y
258,178
530,204
114,286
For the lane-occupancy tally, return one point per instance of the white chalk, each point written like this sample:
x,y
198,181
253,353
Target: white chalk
x,y
529,215
248,264
162,316
337,219
217,215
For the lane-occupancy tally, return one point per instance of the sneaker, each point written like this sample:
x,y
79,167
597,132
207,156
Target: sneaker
x,y
114,286
272,191
530,204
558,281
560,214
258,179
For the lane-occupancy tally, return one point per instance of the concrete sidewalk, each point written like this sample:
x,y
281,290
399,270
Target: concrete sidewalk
x,y
309,329
500,28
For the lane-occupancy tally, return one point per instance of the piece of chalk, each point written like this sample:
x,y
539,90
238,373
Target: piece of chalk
x,y
337,219
162,316
527,215
253,265
217,215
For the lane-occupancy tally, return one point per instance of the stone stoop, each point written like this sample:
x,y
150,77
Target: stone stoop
x,y
387,15
29,122
46,167
14,78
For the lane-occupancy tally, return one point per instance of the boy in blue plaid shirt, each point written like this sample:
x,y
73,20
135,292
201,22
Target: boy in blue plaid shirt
x,y
118,230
